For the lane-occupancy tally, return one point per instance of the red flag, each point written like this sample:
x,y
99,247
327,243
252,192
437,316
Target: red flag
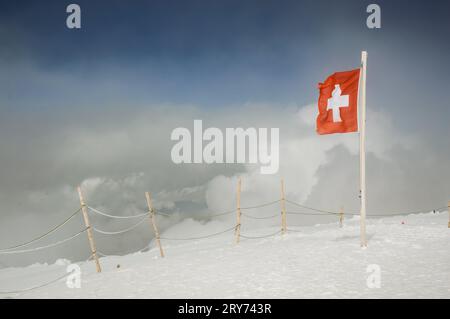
x,y
338,103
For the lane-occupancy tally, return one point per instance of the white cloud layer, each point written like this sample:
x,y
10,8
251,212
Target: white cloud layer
x,y
117,160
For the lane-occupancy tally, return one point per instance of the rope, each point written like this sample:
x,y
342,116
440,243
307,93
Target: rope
x,y
265,217
120,231
400,214
262,205
356,214
258,237
314,214
200,237
146,247
294,230
209,215
102,254
353,214
116,216
35,287
310,208
223,213
44,284
162,214
47,246
44,235
139,251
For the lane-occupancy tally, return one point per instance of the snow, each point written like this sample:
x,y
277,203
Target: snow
x,y
322,261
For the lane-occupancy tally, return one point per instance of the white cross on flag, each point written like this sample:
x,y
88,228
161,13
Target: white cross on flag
x,y
338,103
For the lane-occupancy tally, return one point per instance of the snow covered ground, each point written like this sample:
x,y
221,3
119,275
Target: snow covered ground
x,y
322,261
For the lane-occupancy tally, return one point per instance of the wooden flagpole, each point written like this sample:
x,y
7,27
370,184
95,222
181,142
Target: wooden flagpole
x,y
362,147
89,230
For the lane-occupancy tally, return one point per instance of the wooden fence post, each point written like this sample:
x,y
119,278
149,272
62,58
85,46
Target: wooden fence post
x,y
238,212
153,221
283,209
89,230
448,208
341,217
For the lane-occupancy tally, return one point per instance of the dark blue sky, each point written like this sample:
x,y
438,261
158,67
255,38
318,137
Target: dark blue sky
x,y
221,53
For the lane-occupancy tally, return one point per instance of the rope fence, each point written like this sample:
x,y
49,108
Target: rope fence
x,y
262,236
35,287
311,208
151,215
311,214
147,246
262,217
44,247
115,216
43,235
201,237
45,284
120,231
326,212
262,205
294,230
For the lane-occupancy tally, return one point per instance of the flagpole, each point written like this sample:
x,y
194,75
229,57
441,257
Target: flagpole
x,y
362,148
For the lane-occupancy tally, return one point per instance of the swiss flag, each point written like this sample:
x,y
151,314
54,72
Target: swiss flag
x,y
338,103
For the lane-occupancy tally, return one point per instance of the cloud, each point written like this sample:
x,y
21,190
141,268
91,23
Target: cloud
x,y
304,158
117,160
